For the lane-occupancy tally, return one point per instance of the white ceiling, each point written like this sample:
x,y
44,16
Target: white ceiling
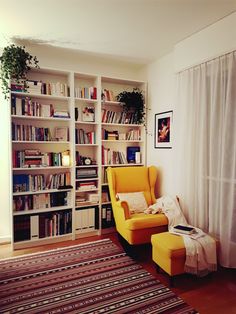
x,y
132,30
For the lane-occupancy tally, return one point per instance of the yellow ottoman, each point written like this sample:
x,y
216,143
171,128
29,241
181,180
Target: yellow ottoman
x,y
168,252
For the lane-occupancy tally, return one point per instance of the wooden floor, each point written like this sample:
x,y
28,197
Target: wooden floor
x,y
215,294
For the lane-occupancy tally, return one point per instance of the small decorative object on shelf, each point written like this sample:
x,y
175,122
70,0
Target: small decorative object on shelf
x,y
133,102
88,114
15,64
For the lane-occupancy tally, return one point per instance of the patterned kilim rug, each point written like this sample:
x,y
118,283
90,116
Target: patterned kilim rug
x,y
95,277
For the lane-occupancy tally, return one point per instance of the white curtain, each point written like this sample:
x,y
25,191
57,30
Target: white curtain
x,y
206,148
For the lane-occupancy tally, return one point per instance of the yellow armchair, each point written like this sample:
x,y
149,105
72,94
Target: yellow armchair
x,y
135,228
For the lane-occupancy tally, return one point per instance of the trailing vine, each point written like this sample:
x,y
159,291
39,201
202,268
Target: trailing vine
x,y
15,64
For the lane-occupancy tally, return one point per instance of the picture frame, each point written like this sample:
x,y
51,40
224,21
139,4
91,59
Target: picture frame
x,y
61,134
163,129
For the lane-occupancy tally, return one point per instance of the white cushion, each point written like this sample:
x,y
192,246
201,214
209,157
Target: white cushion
x,y
136,201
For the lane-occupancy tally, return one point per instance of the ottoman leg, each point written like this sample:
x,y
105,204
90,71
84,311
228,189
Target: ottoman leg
x,y
171,281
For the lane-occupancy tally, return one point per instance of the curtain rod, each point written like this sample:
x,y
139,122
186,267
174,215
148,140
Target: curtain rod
x,y
232,50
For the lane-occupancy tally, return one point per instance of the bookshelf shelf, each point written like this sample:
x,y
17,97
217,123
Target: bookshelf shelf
x,y
32,118
40,210
123,124
122,165
86,145
84,122
40,142
41,168
87,179
41,96
40,192
86,190
122,141
84,106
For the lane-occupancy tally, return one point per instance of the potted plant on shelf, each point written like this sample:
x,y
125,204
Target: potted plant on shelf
x,y
133,102
15,64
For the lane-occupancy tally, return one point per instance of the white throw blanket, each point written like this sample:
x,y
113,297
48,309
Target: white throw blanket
x,y
200,248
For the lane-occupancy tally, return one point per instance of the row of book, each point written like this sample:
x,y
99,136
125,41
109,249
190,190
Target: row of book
x,y
131,135
25,106
32,227
86,219
39,87
40,201
109,157
83,137
119,117
107,217
20,159
104,175
22,132
86,92
39,182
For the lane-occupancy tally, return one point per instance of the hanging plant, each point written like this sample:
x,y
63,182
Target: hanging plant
x,y
133,102
15,64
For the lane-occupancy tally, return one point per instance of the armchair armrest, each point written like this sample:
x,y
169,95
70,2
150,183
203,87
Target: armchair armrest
x,y
122,208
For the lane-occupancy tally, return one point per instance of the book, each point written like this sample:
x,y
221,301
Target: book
x,y
183,229
131,151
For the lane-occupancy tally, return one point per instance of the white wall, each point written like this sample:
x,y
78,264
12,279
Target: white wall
x,y
211,42
161,86
68,59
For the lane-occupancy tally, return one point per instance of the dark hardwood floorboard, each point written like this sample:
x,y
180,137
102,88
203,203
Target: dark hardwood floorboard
x,y
212,294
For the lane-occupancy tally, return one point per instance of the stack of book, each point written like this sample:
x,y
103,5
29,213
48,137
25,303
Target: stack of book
x,y
86,173
86,186
34,87
183,229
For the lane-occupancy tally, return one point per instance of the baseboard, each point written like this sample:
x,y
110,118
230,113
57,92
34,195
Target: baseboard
x,y
5,240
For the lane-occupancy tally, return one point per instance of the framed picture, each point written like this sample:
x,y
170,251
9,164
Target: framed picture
x,y
163,129
61,134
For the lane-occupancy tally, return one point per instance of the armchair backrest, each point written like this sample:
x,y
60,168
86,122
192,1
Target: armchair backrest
x,y
133,179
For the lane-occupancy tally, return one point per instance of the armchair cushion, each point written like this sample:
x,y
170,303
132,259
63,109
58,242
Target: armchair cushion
x,y
143,221
136,201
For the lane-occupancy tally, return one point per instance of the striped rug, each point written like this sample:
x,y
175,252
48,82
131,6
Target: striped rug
x,y
95,277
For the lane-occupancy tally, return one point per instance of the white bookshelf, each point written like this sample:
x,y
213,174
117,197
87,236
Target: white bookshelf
x,y
82,94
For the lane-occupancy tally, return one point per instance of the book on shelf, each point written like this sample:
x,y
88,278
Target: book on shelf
x,y
86,173
107,95
183,229
22,132
61,114
85,219
86,92
34,87
87,185
25,106
34,227
105,197
132,153
110,156
107,217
